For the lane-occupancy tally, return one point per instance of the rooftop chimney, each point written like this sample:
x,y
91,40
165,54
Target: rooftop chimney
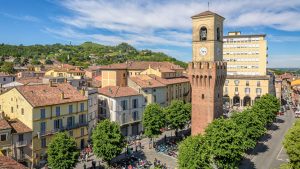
x,y
62,95
50,83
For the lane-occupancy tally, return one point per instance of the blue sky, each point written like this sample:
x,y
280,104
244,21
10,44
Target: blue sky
x,y
159,25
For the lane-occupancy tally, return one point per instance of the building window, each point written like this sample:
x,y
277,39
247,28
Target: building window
x,y
226,82
11,109
90,102
82,118
218,33
43,113
236,82
154,90
123,118
43,142
71,133
57,111
70,121
146,99
154,98
202,96
43,128
135,115
3,137
135,103
22,111
258,91
247,83
258,83
58,124
236,89
81,106
70,108
82,132
226,90
124,104
203,34
247,90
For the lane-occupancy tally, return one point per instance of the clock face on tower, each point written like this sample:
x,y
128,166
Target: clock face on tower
x,y
203,51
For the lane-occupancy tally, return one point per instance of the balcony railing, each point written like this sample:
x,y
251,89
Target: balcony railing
x,y
77,125
130,120
21,143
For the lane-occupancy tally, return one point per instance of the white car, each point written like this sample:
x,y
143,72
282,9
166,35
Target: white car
x,y
297,114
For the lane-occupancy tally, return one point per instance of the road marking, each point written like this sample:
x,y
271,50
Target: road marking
x,y
280,159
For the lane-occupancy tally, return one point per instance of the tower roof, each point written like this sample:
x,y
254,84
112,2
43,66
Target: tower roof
x,y
206,13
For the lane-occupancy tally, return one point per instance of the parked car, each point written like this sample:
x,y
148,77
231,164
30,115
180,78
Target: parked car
x,y
297,114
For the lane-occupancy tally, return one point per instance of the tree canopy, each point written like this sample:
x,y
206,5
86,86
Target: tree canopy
x,y
153,120
226,140
62,152
194,153
178,114
292,145
108,141
7,67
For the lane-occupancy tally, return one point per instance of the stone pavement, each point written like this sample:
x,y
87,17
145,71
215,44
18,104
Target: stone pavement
x,y
146,153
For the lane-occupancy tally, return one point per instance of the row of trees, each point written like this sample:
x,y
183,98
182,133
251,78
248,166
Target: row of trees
x,y
226,140
176,116
292,145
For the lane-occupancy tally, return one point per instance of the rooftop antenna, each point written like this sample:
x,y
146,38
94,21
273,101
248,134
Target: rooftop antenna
x,y
208,5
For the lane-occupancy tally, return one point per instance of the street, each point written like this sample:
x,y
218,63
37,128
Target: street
x,y
269,152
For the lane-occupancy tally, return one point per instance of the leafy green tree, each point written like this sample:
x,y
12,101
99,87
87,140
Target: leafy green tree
x,y
17,61
7,67
226,141
178,114
194,153
62,152
250,125
153,120
35,62
292,145
108,141
268,105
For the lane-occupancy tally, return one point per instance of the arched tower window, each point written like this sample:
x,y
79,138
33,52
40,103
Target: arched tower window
x,y
218,33
203,34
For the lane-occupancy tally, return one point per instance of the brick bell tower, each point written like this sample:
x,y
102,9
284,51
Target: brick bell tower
x,y
207,71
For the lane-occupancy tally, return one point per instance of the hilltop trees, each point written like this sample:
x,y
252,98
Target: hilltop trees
x,y
108,141
62,152
7,67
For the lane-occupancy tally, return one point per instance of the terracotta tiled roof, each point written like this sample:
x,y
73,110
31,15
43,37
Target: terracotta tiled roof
x,y
9,163
117,91
92,68
98,78
206,13
170,81
44,94
27,80
18,126
5,74
4,124
145,81
142,65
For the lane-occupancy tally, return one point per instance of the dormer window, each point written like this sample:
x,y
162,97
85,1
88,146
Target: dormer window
x,y
203,34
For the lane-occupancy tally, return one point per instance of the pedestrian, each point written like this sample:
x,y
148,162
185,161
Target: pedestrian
x,y
94,164
84,166
86,157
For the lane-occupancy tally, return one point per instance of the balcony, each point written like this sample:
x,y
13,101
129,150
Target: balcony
x,y
51,132
21,143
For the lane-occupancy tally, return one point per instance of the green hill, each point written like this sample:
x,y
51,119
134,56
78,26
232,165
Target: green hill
x,y
82,55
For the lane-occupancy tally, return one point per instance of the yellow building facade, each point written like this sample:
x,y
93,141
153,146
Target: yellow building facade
x,y
247,79
47,109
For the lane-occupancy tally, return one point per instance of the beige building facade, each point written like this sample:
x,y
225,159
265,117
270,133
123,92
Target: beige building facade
x,y
247,78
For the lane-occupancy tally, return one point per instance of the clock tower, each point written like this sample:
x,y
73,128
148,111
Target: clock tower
x,y
207,71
